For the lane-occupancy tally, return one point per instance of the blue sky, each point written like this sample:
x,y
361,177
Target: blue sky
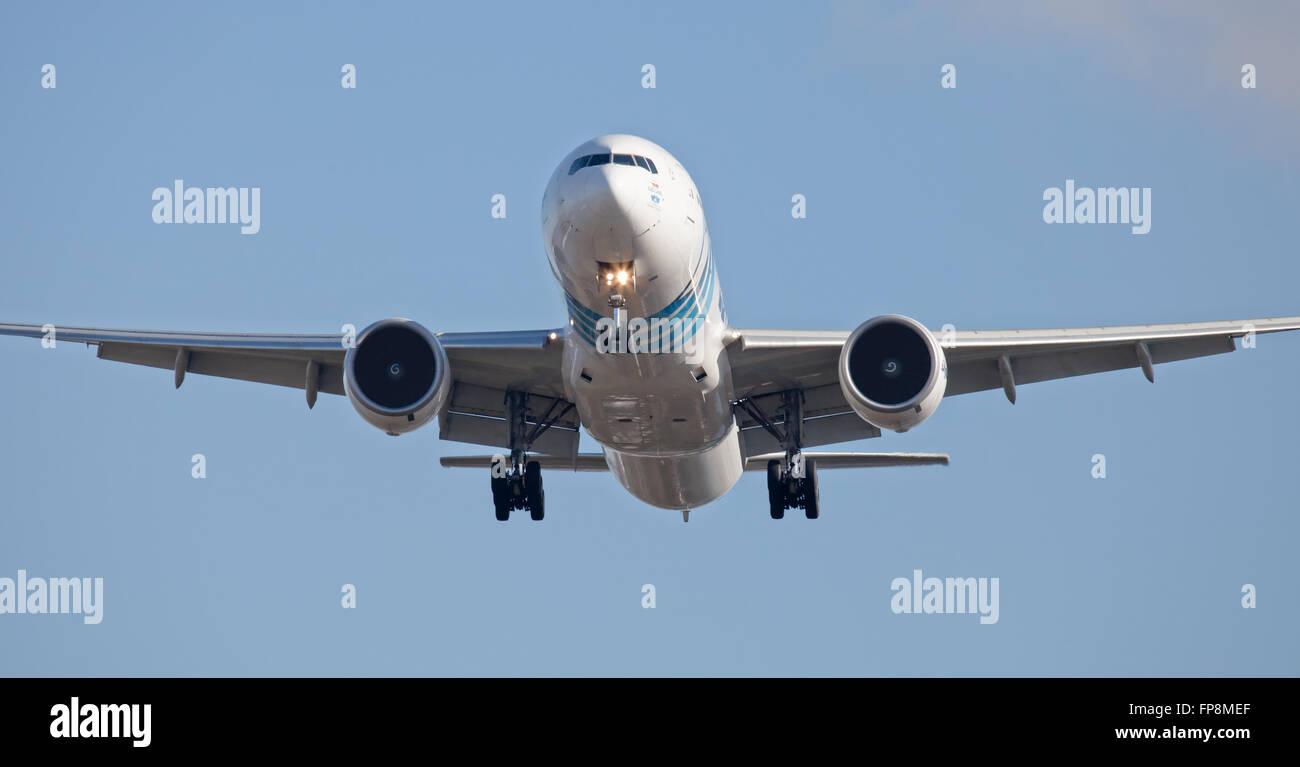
x,y
376,203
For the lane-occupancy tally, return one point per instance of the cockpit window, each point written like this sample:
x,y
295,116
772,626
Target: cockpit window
x,y
578,163
634,160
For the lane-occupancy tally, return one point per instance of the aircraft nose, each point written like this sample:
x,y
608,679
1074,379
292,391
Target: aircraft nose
x,y
617,184
617,200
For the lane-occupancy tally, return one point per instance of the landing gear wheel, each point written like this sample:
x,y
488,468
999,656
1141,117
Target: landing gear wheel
x,y
811,495
534,495
775,490
501,498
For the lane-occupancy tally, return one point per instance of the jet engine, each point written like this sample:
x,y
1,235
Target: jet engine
x,y
893,372
396,375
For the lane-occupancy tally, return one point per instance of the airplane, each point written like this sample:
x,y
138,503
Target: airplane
x,y
681,402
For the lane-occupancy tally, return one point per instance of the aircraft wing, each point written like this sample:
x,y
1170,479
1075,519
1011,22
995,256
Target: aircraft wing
x,y
768,361
483,367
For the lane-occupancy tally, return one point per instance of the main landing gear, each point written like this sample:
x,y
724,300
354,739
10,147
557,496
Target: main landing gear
x,y
792,481
519,490
790,488
517,482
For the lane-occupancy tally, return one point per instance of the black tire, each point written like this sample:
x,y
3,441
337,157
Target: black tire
x,y
534,495
537,506
775,490
812,494
501,498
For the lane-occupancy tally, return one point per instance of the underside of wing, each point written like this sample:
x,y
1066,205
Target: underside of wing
x,y
298,360
767,362
975,356
484,367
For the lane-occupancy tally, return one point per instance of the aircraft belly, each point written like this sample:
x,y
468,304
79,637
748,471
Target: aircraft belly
x,y
681,481
652,404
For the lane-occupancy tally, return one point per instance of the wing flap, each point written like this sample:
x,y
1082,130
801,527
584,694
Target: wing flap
x,y
495,432
576,462
478,415
823,430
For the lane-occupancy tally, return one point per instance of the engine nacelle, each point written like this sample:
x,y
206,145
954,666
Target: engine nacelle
x,y
893,372
396,375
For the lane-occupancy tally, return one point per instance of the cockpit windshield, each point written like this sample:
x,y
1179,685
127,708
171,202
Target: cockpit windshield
x,y
632,160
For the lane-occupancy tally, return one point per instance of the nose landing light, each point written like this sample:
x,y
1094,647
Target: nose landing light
x,y
615,276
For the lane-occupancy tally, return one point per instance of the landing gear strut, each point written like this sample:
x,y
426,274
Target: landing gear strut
x,y
791,482
517,484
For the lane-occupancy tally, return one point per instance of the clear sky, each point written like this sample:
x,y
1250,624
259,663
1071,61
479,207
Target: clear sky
x,y
921,200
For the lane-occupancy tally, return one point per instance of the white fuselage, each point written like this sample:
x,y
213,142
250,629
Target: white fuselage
x,y
629,246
